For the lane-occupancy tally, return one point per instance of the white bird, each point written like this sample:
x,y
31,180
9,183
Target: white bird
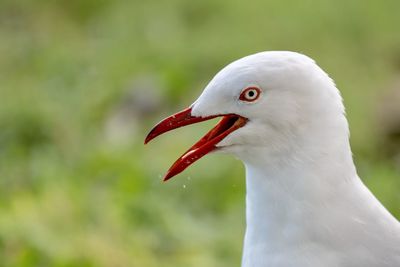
x,y
305,206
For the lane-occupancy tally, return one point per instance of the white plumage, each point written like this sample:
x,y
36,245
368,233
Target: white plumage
x,y
305,204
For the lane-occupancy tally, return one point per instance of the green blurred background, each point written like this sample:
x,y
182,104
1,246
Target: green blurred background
x,y
81,82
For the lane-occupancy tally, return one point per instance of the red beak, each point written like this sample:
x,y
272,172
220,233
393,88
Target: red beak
x,y
206,144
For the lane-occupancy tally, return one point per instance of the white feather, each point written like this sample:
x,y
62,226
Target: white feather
x,y
306,205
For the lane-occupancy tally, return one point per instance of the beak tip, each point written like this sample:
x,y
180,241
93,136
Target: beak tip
x,y
169,175
149,137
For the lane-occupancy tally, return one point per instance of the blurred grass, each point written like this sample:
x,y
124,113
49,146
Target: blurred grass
x,y
75,193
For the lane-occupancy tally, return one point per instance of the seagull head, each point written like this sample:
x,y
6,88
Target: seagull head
x,y
269,103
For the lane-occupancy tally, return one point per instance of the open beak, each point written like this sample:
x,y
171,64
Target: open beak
x,y
228,124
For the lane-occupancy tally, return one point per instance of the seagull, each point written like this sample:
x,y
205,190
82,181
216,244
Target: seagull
x,y
284,118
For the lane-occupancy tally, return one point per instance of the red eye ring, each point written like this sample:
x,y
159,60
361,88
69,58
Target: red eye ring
x,y
250,94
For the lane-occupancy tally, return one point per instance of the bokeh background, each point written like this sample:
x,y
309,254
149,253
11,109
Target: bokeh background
x,y
81,82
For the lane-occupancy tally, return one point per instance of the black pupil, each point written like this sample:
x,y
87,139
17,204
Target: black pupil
x,y
251,93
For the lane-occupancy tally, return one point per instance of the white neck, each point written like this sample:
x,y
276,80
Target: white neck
x,y
306,206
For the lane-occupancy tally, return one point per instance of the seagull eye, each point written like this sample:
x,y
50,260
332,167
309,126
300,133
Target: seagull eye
x,y
250,94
